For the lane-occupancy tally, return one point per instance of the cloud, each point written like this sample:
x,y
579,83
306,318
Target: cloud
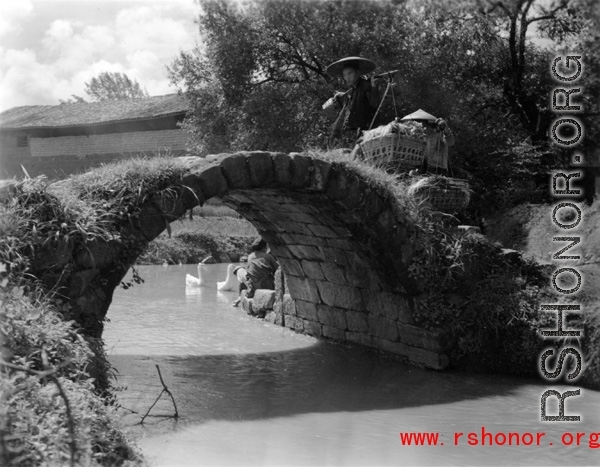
x,y
141,41
11,14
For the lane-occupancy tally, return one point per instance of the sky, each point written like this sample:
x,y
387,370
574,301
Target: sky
x,y
50,48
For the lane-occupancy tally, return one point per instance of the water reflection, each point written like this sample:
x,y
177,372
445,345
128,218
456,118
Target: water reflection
x,y
251,393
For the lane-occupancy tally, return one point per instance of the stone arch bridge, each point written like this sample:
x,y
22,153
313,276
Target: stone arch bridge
x,y
342,241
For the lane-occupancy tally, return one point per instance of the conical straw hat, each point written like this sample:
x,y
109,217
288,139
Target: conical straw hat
x,y
420,115
363,65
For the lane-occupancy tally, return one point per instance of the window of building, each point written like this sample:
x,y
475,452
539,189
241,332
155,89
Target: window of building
x,y
22,141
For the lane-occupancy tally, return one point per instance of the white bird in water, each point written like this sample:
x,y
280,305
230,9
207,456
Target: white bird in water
x,y
192,281
231,282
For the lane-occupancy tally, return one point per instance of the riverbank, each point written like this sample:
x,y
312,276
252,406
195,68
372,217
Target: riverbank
x,y
213,230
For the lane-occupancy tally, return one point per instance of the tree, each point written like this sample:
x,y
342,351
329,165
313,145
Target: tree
x,y
260,79
113,86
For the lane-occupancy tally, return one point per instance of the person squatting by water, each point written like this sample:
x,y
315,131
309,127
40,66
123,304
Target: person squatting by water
x,y
259,272
356,106
438,138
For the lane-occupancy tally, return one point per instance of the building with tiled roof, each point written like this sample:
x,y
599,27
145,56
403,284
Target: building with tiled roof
x,y
58,140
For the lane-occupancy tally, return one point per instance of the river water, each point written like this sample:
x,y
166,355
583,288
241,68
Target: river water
x,y
252,393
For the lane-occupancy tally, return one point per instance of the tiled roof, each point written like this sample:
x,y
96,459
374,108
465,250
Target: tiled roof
x,y
94,113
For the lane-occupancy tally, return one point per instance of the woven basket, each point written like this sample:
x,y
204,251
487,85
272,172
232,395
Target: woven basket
x,y
394,152
444,194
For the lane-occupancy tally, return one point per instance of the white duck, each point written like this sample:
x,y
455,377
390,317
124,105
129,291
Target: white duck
x,y
192,281
231,282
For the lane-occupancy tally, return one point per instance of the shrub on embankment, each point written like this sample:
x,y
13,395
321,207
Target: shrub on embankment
x,y
57,402
488,302
52,412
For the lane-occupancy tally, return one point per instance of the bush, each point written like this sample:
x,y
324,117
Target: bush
x,y
52,409
56,402
510,176
487,304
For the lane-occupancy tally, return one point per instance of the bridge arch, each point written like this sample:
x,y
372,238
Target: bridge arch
x,y
343,243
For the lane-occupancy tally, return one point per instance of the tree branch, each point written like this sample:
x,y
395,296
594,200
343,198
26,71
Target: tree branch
x,y
165,389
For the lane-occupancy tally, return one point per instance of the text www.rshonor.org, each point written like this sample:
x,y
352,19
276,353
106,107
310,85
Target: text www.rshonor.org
x,y
487,438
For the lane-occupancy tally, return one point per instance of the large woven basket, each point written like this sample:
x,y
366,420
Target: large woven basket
x,y
394,152
444,194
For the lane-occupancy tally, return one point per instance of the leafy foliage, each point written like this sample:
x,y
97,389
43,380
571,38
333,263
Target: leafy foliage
x,y
259,82
113,86
45,366
487,305
109,86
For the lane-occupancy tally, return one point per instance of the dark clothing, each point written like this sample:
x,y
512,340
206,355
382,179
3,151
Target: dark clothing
x,y
361,103
261,271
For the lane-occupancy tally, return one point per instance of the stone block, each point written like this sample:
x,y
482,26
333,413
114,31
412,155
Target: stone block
x,y
364,278
235,171
301,239
280,251
306,252
405,310
340,296
171,204
343,185
301,168
192,181
288,305
361,338
383,328
380,304
334,256
260,167
340,243
396,348
358,260
312,270
263,300
419,337
292,227
313,329
321,231
357,321
270,316
334,273
238,198
282,169
291,266
306,310
293,322
302,218
302,288
212,181
334,333
428,358
279,320
341,231
319,175
334,317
